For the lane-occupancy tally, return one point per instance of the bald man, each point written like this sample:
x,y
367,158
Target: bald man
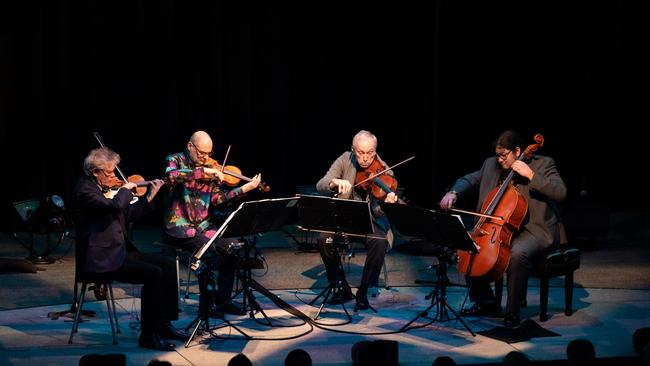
x,y
196,191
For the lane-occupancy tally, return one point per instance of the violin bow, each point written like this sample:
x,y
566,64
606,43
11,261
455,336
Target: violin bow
x,y
101,143
223,164
384,171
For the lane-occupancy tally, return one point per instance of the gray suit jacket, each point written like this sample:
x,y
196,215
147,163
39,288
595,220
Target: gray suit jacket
x,y
344,168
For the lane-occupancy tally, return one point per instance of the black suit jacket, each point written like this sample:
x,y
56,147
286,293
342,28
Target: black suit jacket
x,y
101,225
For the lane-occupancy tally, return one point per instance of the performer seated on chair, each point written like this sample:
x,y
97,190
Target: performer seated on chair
x,y
339,179
101,226
197,187
540,183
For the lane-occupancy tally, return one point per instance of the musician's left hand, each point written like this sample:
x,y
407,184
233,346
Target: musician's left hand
x,y
254,183
391,197
153,188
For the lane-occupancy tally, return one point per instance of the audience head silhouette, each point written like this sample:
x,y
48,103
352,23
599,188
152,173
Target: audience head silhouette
x,y
640,339
580,352
516,358
443,361
298,357
240,360
156,362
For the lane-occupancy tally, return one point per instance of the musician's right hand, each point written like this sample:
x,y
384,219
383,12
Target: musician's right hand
x,y
343,186
447,202
214,171
129,185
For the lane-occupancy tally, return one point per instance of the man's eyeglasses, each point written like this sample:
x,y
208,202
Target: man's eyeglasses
x,y
199,152
503,155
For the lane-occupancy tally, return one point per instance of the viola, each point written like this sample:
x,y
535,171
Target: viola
x,y
375,179
232,175
501,215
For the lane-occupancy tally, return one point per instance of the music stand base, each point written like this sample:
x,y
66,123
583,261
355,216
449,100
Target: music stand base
x,y
439,299
333,289
38,259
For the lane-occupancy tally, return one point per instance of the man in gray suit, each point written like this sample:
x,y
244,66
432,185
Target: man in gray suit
x,y
339,179
539,182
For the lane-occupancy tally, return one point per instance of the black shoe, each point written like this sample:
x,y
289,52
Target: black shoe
x,y
482,310
169,332
100,291
362,301
511,320
230,308
155,342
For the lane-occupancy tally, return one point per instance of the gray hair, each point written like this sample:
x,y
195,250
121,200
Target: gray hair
x,y
363,134
99,158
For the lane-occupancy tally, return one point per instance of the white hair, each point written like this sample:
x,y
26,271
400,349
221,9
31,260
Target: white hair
x,y
99,158
363,134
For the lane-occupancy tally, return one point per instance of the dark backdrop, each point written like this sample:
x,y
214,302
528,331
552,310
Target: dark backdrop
x,y
288,84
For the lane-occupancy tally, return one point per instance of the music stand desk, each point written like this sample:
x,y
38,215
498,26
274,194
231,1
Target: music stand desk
x,y
338,217
440,229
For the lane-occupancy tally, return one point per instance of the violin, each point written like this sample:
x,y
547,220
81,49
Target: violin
x,y
375,179
109,190
232,175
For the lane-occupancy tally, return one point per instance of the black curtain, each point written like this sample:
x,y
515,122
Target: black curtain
x,y
288,83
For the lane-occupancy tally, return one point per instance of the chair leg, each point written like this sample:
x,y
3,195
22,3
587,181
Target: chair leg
x,y
187,283
77,315
110,306
568,294
117,324
543,298
178,283
386,285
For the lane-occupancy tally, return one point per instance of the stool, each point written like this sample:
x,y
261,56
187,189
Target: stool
x,y
178,253
110,304
558,262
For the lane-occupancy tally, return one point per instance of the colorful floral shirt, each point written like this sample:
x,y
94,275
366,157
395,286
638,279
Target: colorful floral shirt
x,y
192,194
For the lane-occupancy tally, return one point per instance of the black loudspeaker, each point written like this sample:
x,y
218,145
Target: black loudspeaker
x,y
109,359
379,352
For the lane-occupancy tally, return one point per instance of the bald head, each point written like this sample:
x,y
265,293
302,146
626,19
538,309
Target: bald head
x,y
199,138
200,146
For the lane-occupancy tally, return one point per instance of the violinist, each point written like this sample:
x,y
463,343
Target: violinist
x,y
340,179
104,247
538,181
196,189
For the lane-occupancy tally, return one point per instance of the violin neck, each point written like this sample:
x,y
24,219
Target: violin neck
x,y
233,174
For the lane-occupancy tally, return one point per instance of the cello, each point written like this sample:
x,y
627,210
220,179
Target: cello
x,y
502,213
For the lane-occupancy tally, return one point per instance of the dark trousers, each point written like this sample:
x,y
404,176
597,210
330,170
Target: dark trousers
x,y
159,297
525,252
217,257
376,253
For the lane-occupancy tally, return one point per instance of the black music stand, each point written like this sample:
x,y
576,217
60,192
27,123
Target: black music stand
x,y
442,230
339,217
253,217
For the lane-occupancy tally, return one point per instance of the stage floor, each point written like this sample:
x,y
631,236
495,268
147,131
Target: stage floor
x,y
606,315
